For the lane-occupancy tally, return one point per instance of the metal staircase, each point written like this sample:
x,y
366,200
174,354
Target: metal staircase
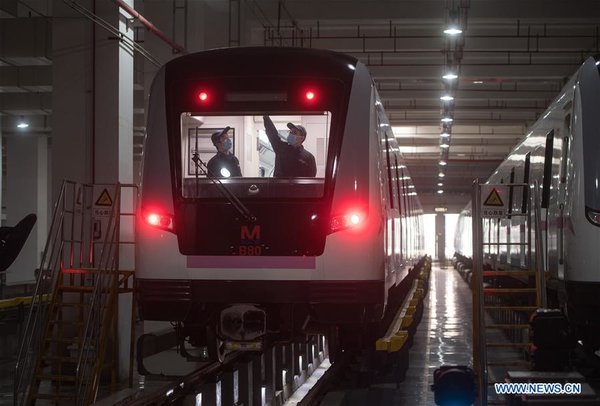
x,y
70,338
505,292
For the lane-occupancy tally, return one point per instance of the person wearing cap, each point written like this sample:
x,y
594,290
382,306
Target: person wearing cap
x,y
224,164
291,159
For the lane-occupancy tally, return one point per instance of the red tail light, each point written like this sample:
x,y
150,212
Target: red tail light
x,y
310,95
163,221
203,96
347,220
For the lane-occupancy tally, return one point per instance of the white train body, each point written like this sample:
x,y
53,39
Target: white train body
x,y
560,152
302,260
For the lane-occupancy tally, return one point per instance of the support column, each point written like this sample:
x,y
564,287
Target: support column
x,y
440,233
93,116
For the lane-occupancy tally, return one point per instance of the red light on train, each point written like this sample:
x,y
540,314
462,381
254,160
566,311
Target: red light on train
x,y
162,221
348,220
309,95
203,96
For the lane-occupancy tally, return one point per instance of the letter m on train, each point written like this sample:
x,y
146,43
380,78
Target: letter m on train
x,y
250,235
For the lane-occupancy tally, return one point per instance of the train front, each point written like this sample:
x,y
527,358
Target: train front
x,y
232,257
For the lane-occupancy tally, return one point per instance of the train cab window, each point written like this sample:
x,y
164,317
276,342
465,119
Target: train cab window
x,y
254,154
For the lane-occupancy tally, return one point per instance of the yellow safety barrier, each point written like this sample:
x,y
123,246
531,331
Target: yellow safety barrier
x,y
406,321
16,301
397,334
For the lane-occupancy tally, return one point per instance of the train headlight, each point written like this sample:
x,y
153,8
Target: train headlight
x,y
163,221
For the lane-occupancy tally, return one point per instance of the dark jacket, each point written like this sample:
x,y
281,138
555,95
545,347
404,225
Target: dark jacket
x,y
290,161
222,160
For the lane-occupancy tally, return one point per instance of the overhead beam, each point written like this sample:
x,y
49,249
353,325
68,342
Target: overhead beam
x,y
26,78
26,103
30,41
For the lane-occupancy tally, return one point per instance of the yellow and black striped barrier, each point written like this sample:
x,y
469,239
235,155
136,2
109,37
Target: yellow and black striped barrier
x,y
403,326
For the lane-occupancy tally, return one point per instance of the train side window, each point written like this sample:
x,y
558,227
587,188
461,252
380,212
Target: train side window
x,y
548,154
565,149
526,170
510,190
398,201
389,169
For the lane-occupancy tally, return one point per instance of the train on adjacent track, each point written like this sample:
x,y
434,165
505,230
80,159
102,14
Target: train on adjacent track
x,y
234,261
559,152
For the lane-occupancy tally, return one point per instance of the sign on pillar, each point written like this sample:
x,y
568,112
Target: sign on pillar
x,y
102,209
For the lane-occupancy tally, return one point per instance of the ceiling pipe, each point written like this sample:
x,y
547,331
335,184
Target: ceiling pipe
x,y
151,27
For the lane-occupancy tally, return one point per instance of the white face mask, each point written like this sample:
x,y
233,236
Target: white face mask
x,y
291,139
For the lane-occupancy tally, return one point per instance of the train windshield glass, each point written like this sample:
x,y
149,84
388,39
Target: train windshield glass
x,y
254,155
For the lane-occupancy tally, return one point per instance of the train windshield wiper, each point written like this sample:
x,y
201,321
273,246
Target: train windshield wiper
x,y
232,198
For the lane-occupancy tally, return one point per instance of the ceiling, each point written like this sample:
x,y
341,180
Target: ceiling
x,y
511,59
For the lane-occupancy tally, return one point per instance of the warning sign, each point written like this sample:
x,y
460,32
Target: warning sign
x,y
104,199
494,200
103,202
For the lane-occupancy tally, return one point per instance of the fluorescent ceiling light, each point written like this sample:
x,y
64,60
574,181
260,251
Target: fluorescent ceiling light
x,y
444,145
443,163
447,97
447,120
452,31
444,134
440,191
450,76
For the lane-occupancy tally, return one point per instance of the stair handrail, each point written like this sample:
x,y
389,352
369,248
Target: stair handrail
x,y
105,284
31,337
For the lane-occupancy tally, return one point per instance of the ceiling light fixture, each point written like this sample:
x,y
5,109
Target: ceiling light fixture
x,y
440,184
441,174
444,145
445,134
447,120
22,123
446,97
450,76
440,192
443,163
452,31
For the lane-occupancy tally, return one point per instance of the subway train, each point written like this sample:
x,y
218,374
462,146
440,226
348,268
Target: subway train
x,y
237,261
560,152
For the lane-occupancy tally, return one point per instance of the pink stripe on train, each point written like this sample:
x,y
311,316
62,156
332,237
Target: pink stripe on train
x,y
247,262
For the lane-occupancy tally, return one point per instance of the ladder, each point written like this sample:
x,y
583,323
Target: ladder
x,y
507,288
70,337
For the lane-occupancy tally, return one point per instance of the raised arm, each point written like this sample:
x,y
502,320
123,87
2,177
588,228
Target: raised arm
x,y
272,134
